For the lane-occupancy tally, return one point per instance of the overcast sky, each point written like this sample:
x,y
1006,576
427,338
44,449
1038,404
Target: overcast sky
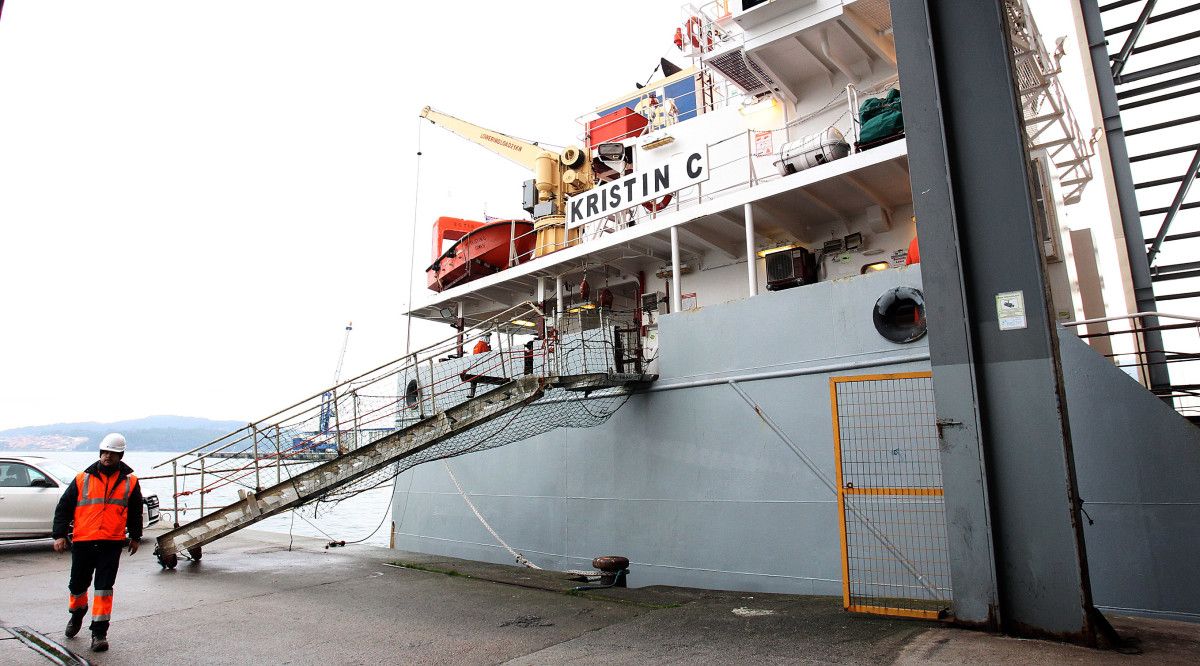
x,y
196,197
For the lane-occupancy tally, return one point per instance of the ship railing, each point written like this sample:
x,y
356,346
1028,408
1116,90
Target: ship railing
x,y
707,24
737,162
362,410
1124,348
685,100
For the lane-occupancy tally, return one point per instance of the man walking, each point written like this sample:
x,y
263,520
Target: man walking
x,y
105,501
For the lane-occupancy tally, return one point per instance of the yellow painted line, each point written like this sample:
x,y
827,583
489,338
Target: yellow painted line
x,y
925,374
841,498
893,491
895,612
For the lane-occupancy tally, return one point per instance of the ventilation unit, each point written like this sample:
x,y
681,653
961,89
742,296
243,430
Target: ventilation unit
x,y
741,70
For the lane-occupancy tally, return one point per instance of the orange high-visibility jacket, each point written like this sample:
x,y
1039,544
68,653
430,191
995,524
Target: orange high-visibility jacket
x,y
102,507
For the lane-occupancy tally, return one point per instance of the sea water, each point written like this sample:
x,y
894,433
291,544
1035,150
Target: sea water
x,y
350,520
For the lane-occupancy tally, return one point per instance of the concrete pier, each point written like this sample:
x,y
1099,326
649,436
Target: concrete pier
x,y
252,600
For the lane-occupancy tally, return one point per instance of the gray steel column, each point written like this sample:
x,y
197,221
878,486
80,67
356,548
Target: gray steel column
x,y
1131,218
1016,547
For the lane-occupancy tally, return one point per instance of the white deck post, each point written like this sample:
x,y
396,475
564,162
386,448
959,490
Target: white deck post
x,y
558,300
751,266
676,288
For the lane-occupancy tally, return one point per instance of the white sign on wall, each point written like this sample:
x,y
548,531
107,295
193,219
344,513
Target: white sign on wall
x,y
1010,310
680,171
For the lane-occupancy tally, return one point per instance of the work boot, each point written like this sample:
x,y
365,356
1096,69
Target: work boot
x,y
74,624
99,643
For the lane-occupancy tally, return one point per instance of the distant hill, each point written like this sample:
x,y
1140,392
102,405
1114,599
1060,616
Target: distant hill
x,y
153,433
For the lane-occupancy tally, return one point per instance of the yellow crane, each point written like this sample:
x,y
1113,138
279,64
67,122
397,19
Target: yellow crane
x,y
556,176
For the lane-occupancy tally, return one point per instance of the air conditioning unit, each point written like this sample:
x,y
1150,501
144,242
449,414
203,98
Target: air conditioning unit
x,y
790,268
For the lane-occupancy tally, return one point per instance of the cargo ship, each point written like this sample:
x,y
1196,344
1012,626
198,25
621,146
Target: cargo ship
x,y
751,216
821,310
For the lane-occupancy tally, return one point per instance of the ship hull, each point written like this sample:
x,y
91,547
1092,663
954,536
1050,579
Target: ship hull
x,y
718,476
686,480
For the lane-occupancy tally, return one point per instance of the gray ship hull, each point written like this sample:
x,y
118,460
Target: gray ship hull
x,y
697,489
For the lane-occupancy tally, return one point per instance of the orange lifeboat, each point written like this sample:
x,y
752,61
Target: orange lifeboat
x,y
480,249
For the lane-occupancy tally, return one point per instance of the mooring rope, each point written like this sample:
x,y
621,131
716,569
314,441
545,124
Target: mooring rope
x,y
521,559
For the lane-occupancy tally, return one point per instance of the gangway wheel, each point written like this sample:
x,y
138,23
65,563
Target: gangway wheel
x,y
195,553
168,561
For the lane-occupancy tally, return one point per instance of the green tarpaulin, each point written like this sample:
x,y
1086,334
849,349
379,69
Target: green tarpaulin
x,y
880,117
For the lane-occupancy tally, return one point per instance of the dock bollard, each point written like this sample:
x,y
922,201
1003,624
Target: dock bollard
x,y
613,569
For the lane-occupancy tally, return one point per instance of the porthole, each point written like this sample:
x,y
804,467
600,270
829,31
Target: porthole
x,y
412,394
900,315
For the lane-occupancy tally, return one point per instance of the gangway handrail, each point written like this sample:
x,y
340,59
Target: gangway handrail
x,y
525,305
1133,315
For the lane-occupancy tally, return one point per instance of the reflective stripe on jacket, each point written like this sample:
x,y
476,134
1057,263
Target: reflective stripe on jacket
x,y
102,509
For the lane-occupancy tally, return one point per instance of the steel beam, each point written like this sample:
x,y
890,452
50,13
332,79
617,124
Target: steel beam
x,y
1017,556
1184,185
1130,41
1131,221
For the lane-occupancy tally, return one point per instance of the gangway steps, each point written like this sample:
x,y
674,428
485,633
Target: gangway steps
x,y
334,474
391,448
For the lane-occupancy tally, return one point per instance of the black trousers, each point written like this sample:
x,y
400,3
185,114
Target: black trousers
x,y
101,558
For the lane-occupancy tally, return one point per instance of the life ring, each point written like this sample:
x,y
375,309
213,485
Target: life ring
x,y
695,29
655,206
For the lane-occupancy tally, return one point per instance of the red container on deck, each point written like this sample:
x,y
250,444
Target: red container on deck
x,y
620,124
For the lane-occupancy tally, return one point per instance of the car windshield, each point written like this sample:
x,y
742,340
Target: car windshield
x,y
57,470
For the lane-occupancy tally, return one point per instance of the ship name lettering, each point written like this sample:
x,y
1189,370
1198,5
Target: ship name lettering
x,y
693,171
662,178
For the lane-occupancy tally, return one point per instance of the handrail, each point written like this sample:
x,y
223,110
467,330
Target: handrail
x,y
527,305
1134,315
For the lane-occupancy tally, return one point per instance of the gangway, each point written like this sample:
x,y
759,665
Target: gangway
x,y
416,409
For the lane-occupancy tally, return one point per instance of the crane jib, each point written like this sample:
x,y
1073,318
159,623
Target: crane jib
x,y
507,144
679,171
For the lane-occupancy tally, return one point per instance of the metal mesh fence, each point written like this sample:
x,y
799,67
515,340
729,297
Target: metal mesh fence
x,y
895,559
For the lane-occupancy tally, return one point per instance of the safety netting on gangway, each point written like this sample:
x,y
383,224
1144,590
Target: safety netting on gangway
x,y
589,360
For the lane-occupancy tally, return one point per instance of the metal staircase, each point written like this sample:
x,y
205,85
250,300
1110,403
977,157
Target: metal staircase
x,y
1143,57
420,408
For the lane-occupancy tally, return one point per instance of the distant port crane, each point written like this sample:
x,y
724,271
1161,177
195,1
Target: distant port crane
x,y
328,399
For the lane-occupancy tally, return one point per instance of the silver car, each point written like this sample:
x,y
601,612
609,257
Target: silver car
x,y
30,487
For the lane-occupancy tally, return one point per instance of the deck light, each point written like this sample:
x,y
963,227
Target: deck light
x,y
773,250
658,142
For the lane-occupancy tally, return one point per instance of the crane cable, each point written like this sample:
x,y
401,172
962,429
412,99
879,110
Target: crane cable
x,y
412,251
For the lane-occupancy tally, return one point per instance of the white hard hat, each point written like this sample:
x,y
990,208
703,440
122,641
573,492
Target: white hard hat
x,y
113,442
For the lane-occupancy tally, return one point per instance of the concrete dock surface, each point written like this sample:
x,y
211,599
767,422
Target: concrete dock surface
x,y
251,599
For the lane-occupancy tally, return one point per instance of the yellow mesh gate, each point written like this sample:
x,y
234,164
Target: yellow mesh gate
x,y
889,477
